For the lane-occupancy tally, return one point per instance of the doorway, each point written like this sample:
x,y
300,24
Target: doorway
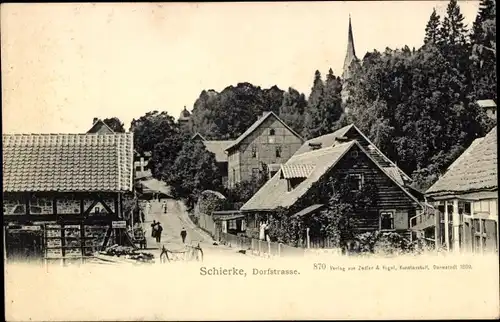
x,y
24,244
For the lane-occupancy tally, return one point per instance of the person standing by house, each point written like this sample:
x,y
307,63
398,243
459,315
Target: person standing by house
x,y
164,205
262,231
266,232
183,235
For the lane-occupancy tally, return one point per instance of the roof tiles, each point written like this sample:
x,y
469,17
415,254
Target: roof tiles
x,y
475,169
67,162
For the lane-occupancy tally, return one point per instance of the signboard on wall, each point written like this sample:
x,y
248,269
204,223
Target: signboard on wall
x,y
119,224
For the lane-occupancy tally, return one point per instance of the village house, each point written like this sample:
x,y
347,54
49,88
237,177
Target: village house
x,y
465,199
217,147
63,193
490,107
99,127
301,187
266,144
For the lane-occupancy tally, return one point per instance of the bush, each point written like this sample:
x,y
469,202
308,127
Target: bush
x,y
384,243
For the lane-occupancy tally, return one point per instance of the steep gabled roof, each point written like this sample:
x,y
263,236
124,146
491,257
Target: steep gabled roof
x,y
486,103
197,135
275,192
218,148
331,139
474,170
98,125
255,126
67,162
325,141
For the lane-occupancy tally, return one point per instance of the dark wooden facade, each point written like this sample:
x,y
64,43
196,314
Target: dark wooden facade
x,y
389,199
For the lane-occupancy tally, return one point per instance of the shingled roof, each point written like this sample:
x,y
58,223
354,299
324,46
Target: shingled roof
x,y
474,170
255,126
275,192
311,166
67,162
218,148
351,132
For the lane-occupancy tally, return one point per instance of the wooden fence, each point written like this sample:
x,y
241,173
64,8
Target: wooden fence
x,y
261,247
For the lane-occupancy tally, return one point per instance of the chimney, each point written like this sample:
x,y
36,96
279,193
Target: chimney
x,y
262,115
342,138
315,146
95,120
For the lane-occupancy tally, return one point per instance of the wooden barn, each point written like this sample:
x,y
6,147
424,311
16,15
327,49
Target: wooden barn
x,y
302,186
63,193
465,199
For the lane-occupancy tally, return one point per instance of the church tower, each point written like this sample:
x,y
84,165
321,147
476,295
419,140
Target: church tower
x,y
350,57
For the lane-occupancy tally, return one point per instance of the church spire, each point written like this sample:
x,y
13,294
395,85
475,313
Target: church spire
x,y
351,52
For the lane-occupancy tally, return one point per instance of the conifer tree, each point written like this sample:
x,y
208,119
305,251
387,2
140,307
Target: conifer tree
x,y
432,29
332,105
313,115
292,109
483,53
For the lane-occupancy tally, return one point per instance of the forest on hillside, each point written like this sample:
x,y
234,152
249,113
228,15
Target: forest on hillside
x,y
417,105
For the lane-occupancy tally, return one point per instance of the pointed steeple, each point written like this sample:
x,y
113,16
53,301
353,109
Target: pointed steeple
x,y
351,52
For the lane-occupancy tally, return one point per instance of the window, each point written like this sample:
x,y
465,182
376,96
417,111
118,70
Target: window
x,y
254,151
233,178
292,183
356,182
271,138
232,224
138,168
386,220
278,152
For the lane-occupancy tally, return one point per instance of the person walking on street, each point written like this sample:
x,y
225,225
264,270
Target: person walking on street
x,y
183,235
159,229
153,229
164,206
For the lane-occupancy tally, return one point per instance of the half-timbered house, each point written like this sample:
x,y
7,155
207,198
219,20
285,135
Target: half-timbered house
x,y
66,187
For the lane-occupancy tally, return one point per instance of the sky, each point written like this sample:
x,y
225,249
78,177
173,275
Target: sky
x,y
64,64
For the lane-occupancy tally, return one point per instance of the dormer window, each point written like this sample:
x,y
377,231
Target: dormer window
x,y
292,183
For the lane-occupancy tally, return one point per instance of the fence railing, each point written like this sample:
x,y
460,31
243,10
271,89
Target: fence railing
x,y
261,247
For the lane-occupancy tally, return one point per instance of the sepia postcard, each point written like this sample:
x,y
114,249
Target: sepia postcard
x,y
185,161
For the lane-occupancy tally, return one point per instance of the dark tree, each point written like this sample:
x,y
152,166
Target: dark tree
x,y
115,124
432,29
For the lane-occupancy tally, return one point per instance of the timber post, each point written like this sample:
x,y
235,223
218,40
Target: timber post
x,y
456,227
446,226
